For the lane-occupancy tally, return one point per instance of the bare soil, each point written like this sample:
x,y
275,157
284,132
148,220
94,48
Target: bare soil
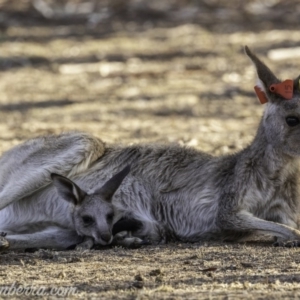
x,y
169,71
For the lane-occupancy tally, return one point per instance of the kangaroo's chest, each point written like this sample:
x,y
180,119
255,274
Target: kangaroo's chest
x,y
272,203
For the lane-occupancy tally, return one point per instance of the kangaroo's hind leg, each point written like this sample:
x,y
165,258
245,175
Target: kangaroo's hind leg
x,y
26,168
245,222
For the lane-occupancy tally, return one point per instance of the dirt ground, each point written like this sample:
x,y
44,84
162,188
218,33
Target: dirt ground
x,y
135,71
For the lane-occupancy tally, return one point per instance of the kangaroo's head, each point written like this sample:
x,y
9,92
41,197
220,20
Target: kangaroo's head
x,y
281,120
93,213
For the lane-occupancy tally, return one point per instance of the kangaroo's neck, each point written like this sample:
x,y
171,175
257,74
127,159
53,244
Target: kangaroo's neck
x,y
269,160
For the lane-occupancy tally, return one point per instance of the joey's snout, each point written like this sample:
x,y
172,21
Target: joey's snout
x,y
106,237
103,238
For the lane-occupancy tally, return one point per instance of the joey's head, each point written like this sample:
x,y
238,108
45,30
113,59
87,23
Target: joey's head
x,y
281,120
93,213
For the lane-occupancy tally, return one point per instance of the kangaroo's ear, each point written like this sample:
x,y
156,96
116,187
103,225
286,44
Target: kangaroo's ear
x,y
111,186
67,189
265,75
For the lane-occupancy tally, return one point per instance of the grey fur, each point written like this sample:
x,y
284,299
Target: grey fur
x,y
183,194
26,167
38,216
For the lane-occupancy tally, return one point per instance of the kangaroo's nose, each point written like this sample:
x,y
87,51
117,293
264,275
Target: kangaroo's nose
x,y
105,237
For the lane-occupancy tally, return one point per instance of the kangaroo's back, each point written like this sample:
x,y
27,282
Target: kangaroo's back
x,y
164,167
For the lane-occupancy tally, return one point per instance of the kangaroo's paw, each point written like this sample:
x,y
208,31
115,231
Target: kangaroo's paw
x,y
87,244
288,244
4,244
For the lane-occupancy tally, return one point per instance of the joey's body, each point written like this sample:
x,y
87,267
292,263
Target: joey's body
x,y
33,214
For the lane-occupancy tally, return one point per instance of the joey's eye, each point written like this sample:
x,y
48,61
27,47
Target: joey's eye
x,y
87,220
110,216
292,121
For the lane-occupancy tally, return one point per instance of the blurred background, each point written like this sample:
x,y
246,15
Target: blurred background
x,y
141,71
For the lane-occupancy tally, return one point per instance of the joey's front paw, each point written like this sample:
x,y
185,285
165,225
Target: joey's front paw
x,y
133,243
87,244
288,244
125,239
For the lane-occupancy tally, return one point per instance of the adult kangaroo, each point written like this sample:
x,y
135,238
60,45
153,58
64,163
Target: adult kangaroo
x,y
184,194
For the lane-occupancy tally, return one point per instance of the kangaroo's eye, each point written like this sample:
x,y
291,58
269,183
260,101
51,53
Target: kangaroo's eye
x,y
87,220
292,121
110,216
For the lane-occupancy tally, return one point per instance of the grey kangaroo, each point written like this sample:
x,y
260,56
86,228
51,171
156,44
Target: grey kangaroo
x,y
184,194
179,193
36,213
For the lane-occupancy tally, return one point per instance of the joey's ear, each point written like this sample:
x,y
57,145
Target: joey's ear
x,y
67,189
265,75
111,186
